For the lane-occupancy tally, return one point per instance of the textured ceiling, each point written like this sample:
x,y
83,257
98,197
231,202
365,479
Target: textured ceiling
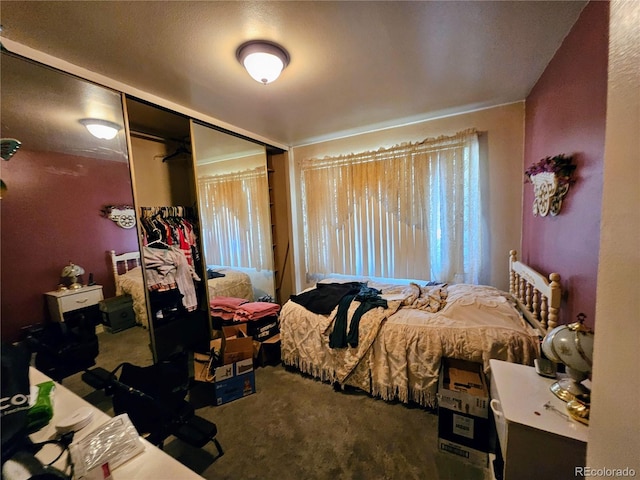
x,y
355,66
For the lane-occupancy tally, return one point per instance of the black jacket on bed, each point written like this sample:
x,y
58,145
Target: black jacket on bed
x,y
326,296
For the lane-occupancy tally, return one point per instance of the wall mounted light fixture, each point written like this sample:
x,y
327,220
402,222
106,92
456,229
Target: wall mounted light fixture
x,y
263,60
102,129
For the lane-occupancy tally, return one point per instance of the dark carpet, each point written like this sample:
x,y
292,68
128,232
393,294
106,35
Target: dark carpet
x,y
295,427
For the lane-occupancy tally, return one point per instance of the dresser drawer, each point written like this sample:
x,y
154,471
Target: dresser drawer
x,y
68,303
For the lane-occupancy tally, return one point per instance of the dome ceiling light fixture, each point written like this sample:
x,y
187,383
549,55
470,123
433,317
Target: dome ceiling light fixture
x,y
102,129
263,60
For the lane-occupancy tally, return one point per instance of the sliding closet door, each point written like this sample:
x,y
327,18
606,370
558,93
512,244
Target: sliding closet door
x,y
234,206
168,225
62,183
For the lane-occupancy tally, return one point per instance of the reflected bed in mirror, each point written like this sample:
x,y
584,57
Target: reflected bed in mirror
x,y
127,275
233,199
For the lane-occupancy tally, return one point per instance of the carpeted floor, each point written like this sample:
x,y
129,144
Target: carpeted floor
x,y
295,427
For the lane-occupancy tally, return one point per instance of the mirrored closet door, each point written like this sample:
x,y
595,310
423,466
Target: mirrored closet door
x,y
173,288
67,201
234,205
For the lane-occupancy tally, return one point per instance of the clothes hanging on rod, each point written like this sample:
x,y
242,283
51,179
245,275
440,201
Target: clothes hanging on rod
x,y
164,227
167,269
170,251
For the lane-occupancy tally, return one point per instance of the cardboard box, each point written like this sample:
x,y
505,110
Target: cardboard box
x,y
462,387
263,328
267,352
234,381
235,378
258,329
265,331
475,457
231,347
463,413
467,430
235,344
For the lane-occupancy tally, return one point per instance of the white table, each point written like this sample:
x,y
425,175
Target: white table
x,y
64,301
536,442
152,464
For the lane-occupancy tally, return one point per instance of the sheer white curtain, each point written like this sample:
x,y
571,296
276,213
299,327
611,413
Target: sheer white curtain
x,y
235,219
411,211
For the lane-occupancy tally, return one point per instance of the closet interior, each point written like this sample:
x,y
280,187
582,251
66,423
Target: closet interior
x,y
216,202
158,165
168,227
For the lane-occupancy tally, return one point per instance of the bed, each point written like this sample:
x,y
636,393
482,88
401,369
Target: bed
x,y
127,274
400,347
233,284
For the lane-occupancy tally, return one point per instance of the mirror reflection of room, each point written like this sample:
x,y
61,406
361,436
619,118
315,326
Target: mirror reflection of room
x,y
171,288
234,205
62,184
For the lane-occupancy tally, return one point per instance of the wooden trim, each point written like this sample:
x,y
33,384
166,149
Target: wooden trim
x,y
537,297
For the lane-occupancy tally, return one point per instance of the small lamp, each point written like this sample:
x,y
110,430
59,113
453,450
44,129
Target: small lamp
x,y
572,345
71,273
263,60
102,129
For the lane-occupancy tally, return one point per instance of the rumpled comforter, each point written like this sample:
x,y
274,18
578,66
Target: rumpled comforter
x,y
131,283
400,348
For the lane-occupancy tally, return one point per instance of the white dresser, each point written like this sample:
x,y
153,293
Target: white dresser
x,y
61,302
535,442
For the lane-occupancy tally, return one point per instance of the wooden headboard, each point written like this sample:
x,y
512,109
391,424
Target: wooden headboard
x,y
121,264
537,297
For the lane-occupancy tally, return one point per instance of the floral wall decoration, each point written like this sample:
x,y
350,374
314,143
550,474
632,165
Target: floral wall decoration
x,y
551,178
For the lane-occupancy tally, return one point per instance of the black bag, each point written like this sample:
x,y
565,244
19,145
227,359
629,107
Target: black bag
x,y
14,403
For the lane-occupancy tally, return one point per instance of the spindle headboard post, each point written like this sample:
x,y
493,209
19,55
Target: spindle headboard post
x,y
537,297
121,264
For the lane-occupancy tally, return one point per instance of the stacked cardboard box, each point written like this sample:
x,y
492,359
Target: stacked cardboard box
x,y
263,328
228,311
463,411
231,373
267,352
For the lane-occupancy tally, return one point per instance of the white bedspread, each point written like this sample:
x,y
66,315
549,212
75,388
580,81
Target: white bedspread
x,y
233,284
401,347
131,283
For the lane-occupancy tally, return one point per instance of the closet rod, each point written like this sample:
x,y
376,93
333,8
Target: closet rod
x,y
154,138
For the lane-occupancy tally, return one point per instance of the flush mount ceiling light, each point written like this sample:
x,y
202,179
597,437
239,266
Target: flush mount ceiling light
x,y
263,60
102,129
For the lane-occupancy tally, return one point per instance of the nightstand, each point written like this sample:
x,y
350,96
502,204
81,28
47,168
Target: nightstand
x,y
535,442
62,302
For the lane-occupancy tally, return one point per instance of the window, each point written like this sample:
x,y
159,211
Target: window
x,y
235,219
408,212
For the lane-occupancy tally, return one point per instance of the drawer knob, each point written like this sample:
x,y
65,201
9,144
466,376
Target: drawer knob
x,y
82,301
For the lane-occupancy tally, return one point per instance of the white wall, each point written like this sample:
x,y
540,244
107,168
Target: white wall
x,y
614,430
502,140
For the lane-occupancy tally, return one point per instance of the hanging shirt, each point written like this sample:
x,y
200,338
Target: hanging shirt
x,y
169,266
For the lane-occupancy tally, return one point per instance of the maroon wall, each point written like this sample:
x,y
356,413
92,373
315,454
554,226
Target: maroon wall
x,y
50,216
566,113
